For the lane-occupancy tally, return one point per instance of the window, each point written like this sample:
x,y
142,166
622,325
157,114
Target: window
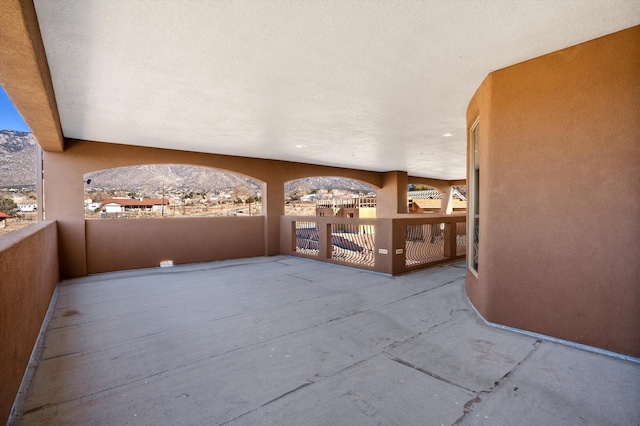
x,y
474,197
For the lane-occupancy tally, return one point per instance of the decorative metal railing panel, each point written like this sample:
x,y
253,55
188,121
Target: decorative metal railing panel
x,y
425,243
307,237
347,203
461,238
353,243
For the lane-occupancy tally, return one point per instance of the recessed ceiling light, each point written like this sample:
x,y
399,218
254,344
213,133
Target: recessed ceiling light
x,y
447,135
299,146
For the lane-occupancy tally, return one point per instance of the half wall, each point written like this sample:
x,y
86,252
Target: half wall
x,y
28,276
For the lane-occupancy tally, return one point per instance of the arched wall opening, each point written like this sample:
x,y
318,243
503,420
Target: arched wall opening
x,y
170,190
219,216
329,196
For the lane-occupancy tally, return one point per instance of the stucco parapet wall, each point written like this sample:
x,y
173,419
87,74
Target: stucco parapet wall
x,y
115,245
28,275
90,156
12,238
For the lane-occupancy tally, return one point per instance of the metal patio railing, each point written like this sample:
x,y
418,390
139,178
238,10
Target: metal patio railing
x,y
353,243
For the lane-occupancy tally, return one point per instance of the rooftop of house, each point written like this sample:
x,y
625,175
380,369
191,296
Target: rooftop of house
x,y
136,201
433,194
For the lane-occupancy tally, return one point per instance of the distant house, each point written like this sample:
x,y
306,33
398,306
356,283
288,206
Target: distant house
x,y
3,216
27,207
425,201
90,206
119,205
308,198
430,200
356,207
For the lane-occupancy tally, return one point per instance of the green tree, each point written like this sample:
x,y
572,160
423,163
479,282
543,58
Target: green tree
x,y
7,206
418,187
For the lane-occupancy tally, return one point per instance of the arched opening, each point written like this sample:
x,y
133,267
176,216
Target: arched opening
x,y
329,196
169,190
350,241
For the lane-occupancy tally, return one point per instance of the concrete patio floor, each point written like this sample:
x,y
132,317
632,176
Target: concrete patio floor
x,y
287,341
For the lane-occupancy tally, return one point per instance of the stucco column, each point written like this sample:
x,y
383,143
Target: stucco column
x,y
392,197
64,196
272,209
446,195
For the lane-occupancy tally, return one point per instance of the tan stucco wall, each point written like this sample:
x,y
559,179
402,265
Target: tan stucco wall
x,y
114,245
64,195
559,199
28,276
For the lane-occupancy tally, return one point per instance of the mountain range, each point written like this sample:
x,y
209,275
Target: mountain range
x,y
17,159
18,169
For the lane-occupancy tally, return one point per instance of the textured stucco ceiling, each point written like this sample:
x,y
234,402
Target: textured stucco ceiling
x,y
371,85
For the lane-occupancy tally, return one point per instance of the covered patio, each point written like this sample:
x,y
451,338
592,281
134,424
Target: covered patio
x,y
533,105
289,341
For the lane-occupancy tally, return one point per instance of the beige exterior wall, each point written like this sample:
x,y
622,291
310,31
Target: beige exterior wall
x,y
324,211
367,212
559,199
28,276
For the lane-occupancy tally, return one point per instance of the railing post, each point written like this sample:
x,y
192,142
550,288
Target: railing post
x,y
293,241
450,239
399,229
324,240
384,239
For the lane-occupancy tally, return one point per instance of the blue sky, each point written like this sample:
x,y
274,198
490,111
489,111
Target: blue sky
x,y
10,119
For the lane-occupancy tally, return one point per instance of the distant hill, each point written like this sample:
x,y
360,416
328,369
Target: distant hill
x,y
18,169
178,177
175,177
17,159
309,184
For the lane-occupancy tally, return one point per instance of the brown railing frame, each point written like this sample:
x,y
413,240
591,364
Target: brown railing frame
x,y
288,237
389,239
450,243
